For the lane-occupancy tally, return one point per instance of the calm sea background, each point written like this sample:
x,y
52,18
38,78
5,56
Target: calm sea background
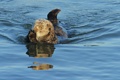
x,y
92,51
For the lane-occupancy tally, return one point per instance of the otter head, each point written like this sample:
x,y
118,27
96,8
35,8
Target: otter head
x,y
45,31
52,16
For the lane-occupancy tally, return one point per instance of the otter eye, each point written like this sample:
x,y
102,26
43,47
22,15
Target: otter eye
x,y
49,29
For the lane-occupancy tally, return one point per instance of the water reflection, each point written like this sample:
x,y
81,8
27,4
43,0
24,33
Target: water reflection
x,y
38,50
41,66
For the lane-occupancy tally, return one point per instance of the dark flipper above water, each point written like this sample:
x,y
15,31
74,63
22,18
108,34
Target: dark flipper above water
x,y
31,37
52,16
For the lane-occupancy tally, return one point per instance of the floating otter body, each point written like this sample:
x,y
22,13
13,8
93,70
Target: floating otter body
x,y
47,31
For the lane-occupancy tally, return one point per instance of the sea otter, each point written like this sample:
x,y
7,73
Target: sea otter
x,y
47,30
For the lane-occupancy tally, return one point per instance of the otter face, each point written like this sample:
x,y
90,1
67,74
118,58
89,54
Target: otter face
x,y
44,30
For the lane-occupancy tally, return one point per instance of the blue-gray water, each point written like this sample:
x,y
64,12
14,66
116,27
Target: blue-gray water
x,y
91,52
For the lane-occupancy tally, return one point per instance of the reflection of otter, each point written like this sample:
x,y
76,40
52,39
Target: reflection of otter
x,y
47,31
41,67
40,50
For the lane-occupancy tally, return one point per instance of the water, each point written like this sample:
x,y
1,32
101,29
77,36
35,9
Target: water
x,y
90,53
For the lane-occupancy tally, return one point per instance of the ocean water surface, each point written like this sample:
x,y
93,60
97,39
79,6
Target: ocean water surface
x,y
90,53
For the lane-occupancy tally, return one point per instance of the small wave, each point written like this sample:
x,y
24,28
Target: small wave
x,y
27,26
6,23
6,0
4,37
